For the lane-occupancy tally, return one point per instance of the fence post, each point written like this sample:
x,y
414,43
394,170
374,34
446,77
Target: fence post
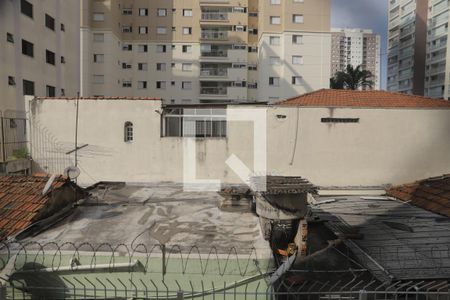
x,y
180,295
362,295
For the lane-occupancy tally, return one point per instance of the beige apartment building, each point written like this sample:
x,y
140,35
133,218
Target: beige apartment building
x,y
39,53
205,51
356,47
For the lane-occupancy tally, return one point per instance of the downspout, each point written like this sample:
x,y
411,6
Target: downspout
x,y
296,137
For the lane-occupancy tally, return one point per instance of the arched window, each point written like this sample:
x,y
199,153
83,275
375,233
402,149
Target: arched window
x,y
128,132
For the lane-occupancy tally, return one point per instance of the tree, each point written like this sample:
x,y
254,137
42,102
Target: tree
x,y
352,79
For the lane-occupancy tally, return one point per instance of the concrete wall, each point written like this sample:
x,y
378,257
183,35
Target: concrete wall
x,y
386,146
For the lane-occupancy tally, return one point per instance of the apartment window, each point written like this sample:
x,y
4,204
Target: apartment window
x,y
252,14
187,49
186,85
161,48
274,81
161,85
297,60
162,12
187,12
339,120
252,67
99,58
27,48
172,83
274,40
297,39
126,66
161,67
238,9
10,37
142,85
143,29
297,19
128,29
186,67
28,87
143,12
127,47
275,2
275,60
252,49
127,84
99,37
142,66
26,8
98,17
50,91
50,57
275,20
49,22
128,132
127,11
296,80
161,30
187,30
174,29
99,79
173,47
142,48
172,65
63,92
11,80
63,27
63,60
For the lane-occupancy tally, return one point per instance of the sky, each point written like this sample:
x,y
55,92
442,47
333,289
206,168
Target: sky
x,y
367,14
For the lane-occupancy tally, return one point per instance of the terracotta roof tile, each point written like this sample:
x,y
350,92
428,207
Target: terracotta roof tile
x,y
363,99
432,194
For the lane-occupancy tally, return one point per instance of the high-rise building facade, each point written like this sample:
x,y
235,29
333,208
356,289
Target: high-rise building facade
x,y
205,51
40,51
356,47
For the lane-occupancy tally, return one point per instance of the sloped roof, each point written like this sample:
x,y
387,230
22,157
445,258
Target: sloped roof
x,y
21,200
432,194
363,99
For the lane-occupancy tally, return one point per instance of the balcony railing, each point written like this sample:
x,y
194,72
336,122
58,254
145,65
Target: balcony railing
x,y
219,53
214,16
213,72
218,91
215,35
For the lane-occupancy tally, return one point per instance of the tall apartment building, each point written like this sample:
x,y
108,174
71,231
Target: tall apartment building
x,y
356,47
205,51
39,52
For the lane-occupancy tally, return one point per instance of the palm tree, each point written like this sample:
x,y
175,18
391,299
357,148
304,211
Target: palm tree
x,y
352,79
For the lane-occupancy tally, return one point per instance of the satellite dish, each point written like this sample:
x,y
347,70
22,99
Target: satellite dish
x,y
48,185
72,172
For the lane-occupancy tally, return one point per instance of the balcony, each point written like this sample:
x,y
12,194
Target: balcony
x,y
214,35
213,91
215,16
215,54
215,72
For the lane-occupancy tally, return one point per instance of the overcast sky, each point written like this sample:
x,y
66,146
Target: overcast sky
x,y
367,14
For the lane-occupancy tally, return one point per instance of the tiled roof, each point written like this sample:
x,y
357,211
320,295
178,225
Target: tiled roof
x,y
21,200
99,98
432,194
363,99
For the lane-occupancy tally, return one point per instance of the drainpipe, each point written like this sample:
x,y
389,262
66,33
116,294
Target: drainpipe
x,y
3,138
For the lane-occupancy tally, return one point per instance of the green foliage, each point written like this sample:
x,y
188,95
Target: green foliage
x,y
352,79
20,153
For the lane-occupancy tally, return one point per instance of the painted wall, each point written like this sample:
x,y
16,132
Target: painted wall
x,y
386,146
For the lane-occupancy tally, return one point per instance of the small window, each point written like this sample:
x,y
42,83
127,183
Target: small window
x,y
142,48
161,85
99,79
274,81
274,20
161,30
161,66
99,58
143,12
128,132
28,87
275,60
142,66
50,57
296,80
186,85
27,48
162,12
275,2
187,30
127,11
10,37
187,49
186,67
142,29
142,85
297,39
297,60
50,91
11,80
99,37
63,27
297,19
26,8
128,29
49,22
161,48
63,60
127,84
340,120
187,12
274,40
99,17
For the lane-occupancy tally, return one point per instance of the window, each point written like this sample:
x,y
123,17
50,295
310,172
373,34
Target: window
x,y
299,1
142,85
99,58
187,30
127,47
50,57
161,85
99,37
297,19
252,49
126,84
27,48
187,12
161,30
128,29
187,49
127,11
339,120
143,12
274,40
252,14
126,66
296,80
142,66
186,85
63,28
28,87
10,37
99,79
186,67
128,132
161,48
275,20
162,12
49,22
63,60
142,48
274,81
160,66
63,92
275,60
11,80
99,17
143,30
26,8
50,91
275,2
297,60
252,67
297,39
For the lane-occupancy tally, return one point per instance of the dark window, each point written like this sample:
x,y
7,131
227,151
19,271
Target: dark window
x,y
49,22
63,28
50,57
27,48
63,60
28,87
50,91
340,120
63,92
11,80
26,8
10,37
128,132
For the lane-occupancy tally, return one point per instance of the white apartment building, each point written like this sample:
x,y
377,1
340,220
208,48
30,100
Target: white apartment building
x,y
356,47
39,52
205,51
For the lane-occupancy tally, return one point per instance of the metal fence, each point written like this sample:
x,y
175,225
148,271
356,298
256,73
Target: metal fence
x,y
13,136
